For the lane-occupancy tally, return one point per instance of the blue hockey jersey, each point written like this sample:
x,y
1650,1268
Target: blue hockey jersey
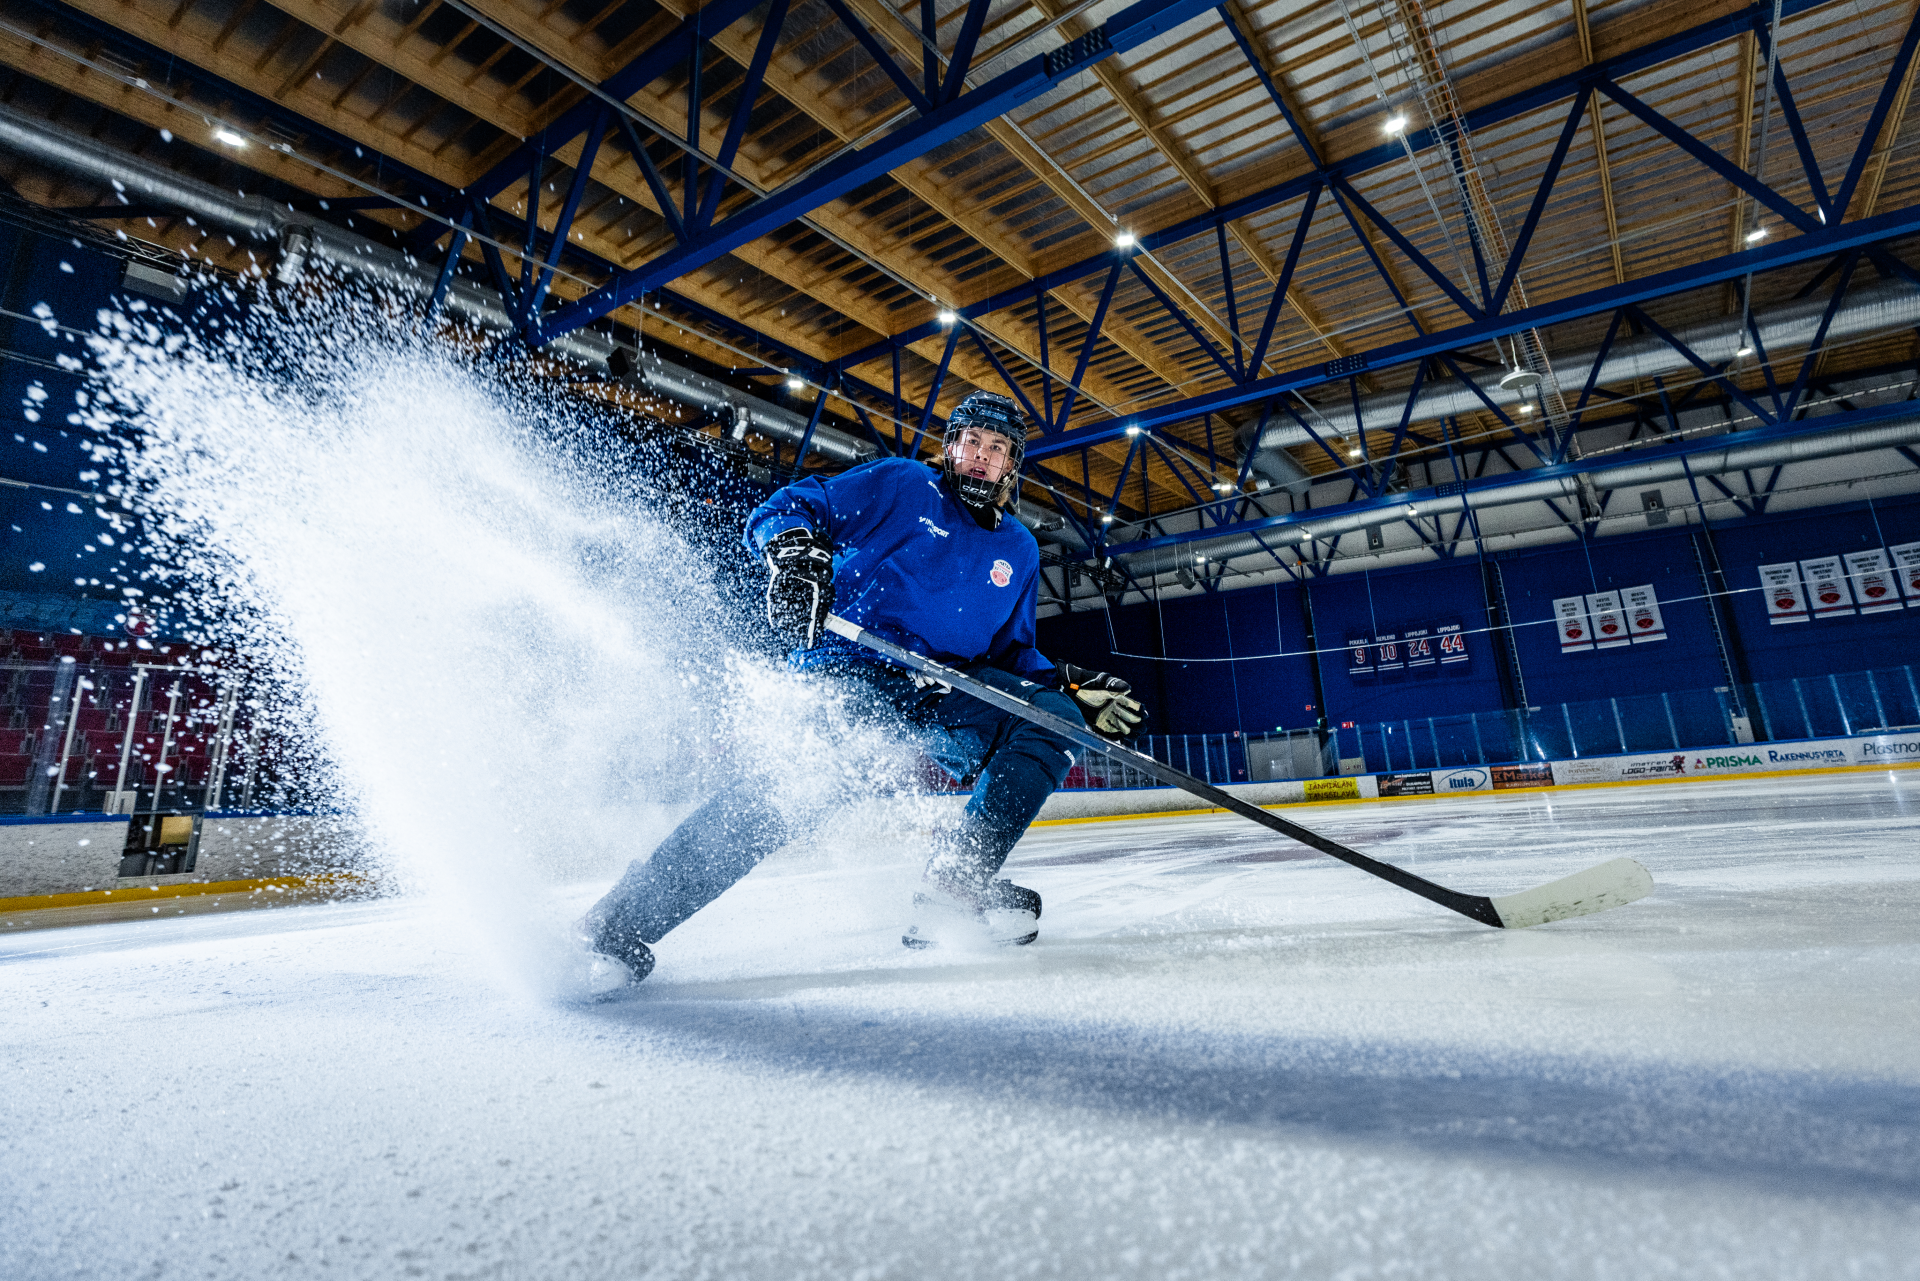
x,y
912,565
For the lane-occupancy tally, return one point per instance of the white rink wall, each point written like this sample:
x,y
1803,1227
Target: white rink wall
x,y
75,854
78,854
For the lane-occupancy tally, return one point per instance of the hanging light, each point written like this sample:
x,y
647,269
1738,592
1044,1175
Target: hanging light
x,y
229,137
1133,431
1746,345
1124,240
1107,519
1757,235
1397,123
795,382
946,318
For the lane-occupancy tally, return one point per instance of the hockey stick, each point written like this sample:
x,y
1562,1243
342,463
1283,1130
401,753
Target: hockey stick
x,y
1610,884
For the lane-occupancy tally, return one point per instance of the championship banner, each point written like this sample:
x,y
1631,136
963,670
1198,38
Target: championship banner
x,y
1644,623
1609,621
1451,639
1874,585
1906,568
1387,656
1423,656
1571,613
1786,598
1827,587
1359,657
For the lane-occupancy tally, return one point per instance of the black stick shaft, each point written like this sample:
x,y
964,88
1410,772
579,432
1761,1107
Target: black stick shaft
x,y
1476,906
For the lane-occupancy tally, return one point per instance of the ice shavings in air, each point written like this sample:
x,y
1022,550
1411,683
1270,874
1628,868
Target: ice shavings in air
x,y
485,618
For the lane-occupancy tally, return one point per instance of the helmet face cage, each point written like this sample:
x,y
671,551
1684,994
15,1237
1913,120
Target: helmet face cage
x,y
984,411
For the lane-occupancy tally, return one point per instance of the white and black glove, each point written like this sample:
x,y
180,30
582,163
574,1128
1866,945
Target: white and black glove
x,y
1103,700
800,584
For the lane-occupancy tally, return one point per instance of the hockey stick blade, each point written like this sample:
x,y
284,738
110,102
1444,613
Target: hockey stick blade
x,y
1611,884
1594,890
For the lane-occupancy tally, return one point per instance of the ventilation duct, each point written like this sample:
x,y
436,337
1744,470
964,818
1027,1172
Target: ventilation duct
x,y
1720,458
1276,467
296,244
1869,308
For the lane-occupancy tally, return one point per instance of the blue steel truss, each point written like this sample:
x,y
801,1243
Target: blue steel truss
x,y
709,213
946,113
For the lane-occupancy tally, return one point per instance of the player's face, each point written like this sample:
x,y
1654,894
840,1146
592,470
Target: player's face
x,y
983,454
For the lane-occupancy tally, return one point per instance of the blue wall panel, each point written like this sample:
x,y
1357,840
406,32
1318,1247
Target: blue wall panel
x,y
1392,600
1825,645
41,527
1193,697
1688,659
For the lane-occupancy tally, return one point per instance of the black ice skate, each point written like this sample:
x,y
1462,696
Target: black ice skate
x,y
618,959
954,911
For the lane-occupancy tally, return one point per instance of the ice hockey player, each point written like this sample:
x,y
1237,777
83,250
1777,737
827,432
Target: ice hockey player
x,y
930,560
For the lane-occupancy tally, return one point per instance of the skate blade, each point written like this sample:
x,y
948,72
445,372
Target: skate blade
x,y
606,978
998,929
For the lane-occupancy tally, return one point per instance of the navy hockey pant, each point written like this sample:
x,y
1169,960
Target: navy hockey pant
x,y
1015,765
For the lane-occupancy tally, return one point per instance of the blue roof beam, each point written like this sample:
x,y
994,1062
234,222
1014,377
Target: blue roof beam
x,y
1819,242
1133,26
1325,170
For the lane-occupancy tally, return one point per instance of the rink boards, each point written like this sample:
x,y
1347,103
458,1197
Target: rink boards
x,y
74,860
1810,756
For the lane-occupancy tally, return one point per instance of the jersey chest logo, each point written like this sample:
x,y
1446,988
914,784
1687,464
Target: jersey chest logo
x,y
1001,573
933,528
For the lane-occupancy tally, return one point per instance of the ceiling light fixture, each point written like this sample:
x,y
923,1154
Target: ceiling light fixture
x,y
1133,431
229,137
1124,240
1525,408
1107,519
946,317
1396,123
1757,235
795,383
1353,453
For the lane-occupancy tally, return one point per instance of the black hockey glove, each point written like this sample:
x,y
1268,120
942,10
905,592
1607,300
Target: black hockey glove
x,y
1102,700
800,586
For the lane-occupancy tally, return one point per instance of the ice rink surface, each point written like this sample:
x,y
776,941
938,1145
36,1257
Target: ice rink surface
x,y
1221,1059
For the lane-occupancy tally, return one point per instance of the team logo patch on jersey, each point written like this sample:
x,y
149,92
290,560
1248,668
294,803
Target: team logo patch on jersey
x,y
1001,573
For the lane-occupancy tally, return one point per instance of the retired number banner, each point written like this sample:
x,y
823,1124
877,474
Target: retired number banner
x,y
1571,613
1387,658
1786,598
1644,622
1609,622
1874,585
1827,587
1360,657
1423,656
1451,640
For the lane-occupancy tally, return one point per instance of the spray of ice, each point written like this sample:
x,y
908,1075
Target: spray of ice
x,y
518,670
